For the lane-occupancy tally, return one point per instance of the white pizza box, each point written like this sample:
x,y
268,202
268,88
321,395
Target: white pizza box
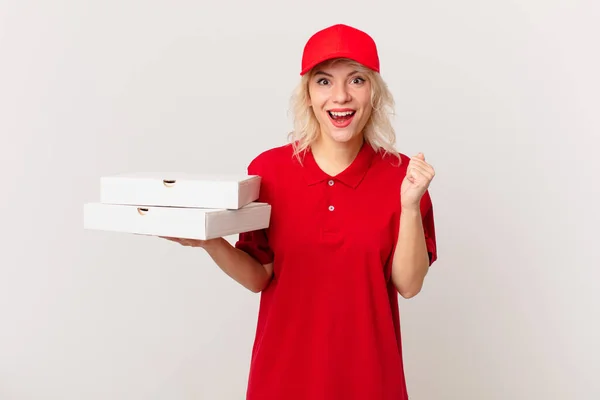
x,y
180,190
189,223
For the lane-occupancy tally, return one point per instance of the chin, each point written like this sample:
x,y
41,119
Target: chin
x,y
342,135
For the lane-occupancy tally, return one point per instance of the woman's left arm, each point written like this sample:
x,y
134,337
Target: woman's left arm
x,y
411,258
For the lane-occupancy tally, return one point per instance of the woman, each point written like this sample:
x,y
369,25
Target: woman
x,y
352,226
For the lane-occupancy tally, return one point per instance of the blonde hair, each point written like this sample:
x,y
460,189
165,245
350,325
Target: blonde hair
x,y
378,131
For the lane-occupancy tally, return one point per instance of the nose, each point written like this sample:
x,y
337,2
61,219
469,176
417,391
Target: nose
x,y
341,94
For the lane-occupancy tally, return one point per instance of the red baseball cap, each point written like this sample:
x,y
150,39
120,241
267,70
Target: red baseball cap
x,y
340,41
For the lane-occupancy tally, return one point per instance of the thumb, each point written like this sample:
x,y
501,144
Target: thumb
x,y
420,156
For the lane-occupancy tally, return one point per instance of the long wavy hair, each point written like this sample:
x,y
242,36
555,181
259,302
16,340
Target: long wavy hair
x,y
378,131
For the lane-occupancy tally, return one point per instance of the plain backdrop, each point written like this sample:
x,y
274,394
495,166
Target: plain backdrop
x,y
501,96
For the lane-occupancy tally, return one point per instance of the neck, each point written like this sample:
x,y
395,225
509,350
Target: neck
x,y
333,157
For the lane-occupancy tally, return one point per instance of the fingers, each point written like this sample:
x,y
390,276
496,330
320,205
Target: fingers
x,y
418,162
417,176
172,239
421,168
183,242
417,170
419,159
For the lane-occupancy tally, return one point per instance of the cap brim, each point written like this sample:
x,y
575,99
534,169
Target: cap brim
x,y
332,56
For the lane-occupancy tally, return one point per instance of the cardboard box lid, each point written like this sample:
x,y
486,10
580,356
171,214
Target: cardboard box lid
x,y
229,191
182,176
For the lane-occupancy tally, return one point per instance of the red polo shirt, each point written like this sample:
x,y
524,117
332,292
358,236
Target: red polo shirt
x,y
328,325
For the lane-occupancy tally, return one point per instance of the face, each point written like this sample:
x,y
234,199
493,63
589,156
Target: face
x,y
340,97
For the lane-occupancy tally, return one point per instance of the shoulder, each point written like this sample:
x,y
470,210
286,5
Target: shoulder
x,y
270,159
393,164
269,165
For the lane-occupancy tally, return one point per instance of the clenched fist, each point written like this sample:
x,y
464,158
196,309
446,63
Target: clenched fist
x,y
416,182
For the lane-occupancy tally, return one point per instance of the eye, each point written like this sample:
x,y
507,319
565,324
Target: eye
x,y
323,81
358,80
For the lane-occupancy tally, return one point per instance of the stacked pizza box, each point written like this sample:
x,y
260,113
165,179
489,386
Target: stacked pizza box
x,y
191,206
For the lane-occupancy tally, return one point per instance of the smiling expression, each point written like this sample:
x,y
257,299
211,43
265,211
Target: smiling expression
x,y
340,97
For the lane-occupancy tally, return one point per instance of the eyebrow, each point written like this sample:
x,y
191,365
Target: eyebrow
x,y
331,76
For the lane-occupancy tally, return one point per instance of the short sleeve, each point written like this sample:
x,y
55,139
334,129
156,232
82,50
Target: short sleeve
x,y
429,227
256,243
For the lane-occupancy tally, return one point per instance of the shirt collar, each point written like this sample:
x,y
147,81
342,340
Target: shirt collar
x,y
351,176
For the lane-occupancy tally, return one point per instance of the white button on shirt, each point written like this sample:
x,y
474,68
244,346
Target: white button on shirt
x,y
331,208
331,183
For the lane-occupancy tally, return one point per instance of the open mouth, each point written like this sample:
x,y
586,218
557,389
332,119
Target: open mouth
x,y
341,118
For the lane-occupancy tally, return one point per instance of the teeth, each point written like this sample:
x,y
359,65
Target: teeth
x,y
341,114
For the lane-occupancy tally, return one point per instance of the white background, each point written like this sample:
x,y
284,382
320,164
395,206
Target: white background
x,y
501,96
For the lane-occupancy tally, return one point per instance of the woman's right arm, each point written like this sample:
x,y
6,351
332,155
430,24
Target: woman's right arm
x,y
239,265
236,263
